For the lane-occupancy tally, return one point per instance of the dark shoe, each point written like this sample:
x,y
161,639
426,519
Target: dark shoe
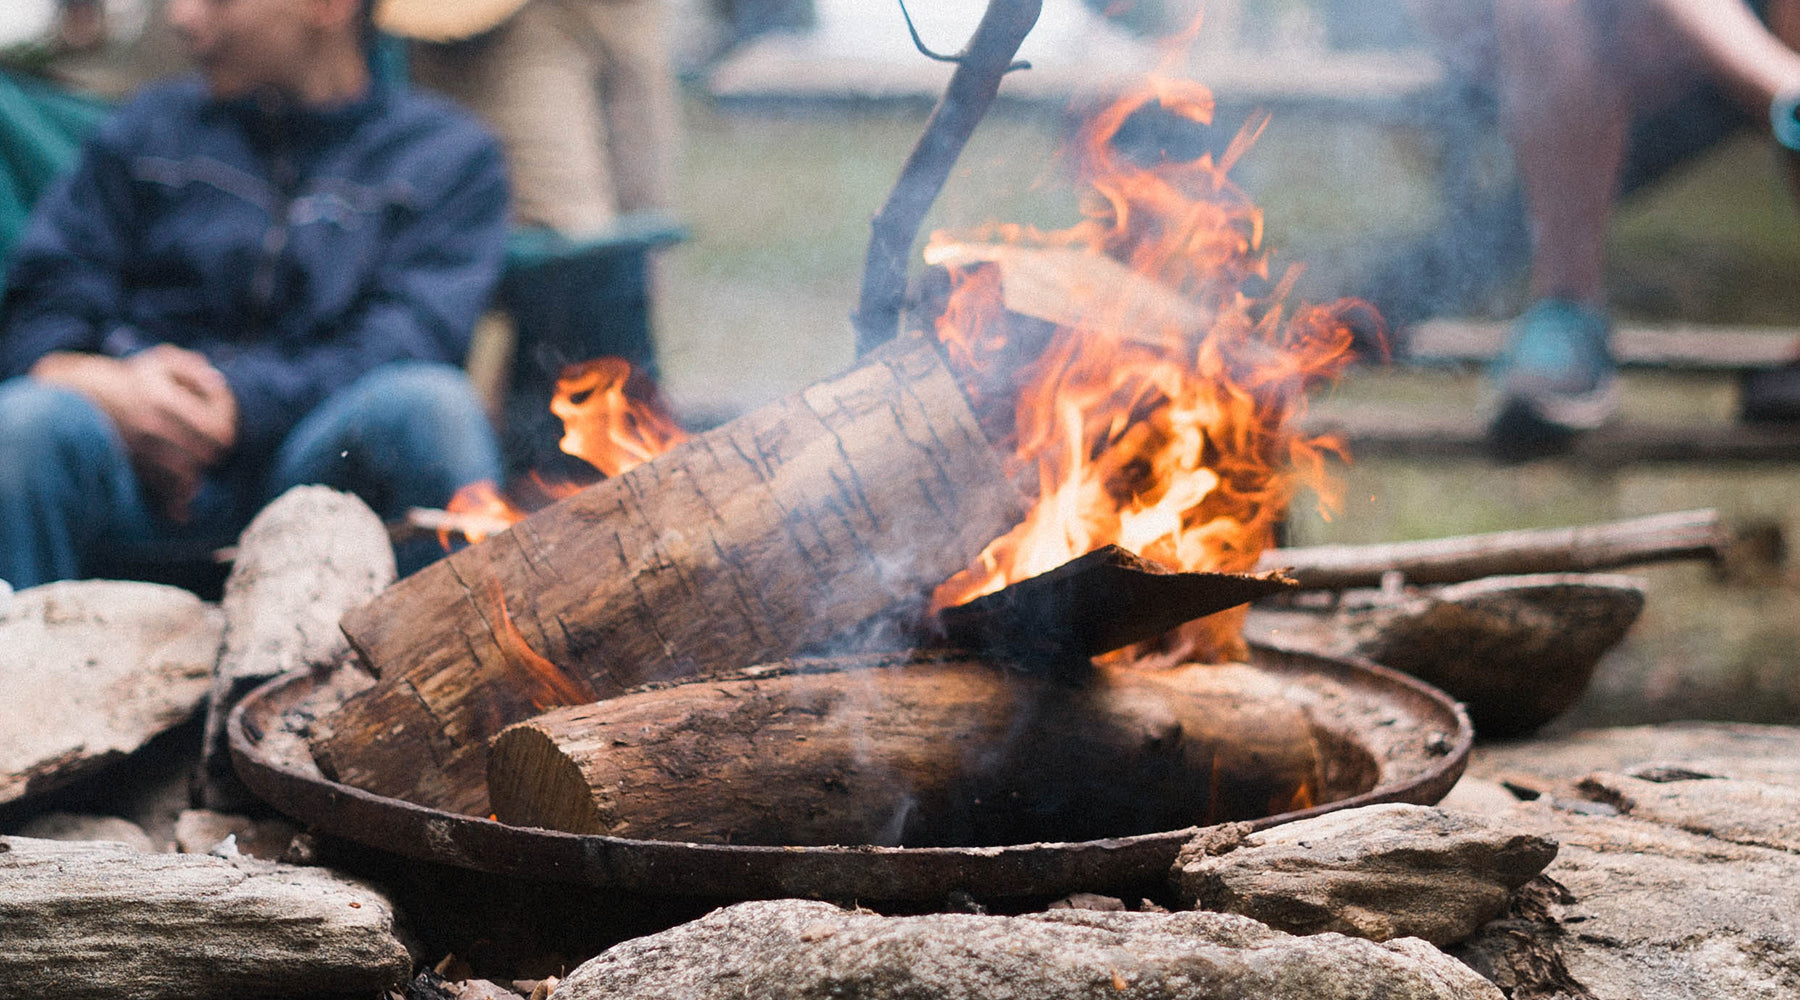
x,y
1770,397
1555,379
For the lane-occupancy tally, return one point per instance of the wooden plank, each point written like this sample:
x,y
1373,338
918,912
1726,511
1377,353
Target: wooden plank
x,y
1393,432
1694,347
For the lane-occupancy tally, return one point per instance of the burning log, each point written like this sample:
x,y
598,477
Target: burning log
x,y
1099,602
1694,534
936,752
837,508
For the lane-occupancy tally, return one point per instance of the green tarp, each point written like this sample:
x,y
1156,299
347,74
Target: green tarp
x,y
41,131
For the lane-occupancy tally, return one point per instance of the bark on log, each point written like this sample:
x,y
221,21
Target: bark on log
x,y
1693,534
1096,603
104,921
834,510
919,753
92,669
308,557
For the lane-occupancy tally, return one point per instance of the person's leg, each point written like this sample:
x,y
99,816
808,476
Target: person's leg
x,y
532,81
638,95
66,485
405,435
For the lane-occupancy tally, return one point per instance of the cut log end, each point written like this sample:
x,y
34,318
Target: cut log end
x,y
531,782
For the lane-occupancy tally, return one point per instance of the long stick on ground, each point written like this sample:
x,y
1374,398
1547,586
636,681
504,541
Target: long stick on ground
x,y
965,102
1693,534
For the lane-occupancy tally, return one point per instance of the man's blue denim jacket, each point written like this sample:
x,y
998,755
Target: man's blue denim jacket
x,y
295,248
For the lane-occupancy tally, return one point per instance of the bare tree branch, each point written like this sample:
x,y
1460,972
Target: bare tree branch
x,y
980,67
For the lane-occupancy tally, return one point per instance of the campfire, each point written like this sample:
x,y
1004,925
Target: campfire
x,y
1142,373
967,621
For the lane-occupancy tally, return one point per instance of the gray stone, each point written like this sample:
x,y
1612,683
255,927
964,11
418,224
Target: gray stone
x,y
1378,872
92,670
308,557
1678,876
76,826
100,920
795,950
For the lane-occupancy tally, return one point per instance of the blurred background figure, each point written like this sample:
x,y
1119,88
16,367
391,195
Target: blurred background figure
x,y
1571,76
580,93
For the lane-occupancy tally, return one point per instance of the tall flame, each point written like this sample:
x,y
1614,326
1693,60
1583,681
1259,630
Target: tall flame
x,y
1161,413
604,425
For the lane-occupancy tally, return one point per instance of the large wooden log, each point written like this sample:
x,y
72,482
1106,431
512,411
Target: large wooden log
x,y
929,752
834,510
101,920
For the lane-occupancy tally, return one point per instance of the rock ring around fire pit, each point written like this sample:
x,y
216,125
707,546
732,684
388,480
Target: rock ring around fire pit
x,y
1383,737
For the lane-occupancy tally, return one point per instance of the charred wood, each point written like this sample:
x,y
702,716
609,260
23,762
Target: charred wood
x,y
928,752
1105,600
829,513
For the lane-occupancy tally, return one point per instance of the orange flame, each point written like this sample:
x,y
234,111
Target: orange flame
x,y
1161,414
602,425
542,682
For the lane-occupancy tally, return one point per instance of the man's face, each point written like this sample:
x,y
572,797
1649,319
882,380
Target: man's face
x,y
241,45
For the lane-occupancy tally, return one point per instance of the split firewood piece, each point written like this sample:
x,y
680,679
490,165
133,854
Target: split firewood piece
x,y
101,920
308,557
835,509
1102,601
1516,650
92,670
1081,289
924,752
1693,534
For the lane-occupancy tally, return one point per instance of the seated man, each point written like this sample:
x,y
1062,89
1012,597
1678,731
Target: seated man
x,y
260,277
1571,76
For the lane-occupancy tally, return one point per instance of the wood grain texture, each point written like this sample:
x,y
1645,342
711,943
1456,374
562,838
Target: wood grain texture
x,y
927,752
832,511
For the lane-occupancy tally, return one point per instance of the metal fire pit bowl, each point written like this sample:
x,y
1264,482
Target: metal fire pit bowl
x,y
1386,738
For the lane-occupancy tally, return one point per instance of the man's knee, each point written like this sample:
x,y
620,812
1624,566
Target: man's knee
x,y
47,431
421,394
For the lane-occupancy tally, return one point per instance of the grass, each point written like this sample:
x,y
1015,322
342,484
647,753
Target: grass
x,y
756,305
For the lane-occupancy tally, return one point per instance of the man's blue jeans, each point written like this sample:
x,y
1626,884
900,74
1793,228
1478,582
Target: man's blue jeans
x,y
404,435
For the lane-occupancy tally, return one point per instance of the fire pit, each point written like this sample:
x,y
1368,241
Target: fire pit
x,y
1382,737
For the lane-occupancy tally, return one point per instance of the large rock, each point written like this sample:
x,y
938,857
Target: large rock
x,y
308,557
101,920
92,670
793,950
1678,876
1379,872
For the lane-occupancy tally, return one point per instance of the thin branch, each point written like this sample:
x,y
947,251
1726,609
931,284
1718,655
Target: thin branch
x,y
927,52
988,58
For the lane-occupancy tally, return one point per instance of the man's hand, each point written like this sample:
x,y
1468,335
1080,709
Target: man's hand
x,y
171,406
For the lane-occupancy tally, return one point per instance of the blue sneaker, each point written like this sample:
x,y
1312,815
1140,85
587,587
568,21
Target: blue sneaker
x,y
1555,379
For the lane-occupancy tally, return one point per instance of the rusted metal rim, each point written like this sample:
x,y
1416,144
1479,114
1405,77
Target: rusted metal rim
x,y
1417,737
